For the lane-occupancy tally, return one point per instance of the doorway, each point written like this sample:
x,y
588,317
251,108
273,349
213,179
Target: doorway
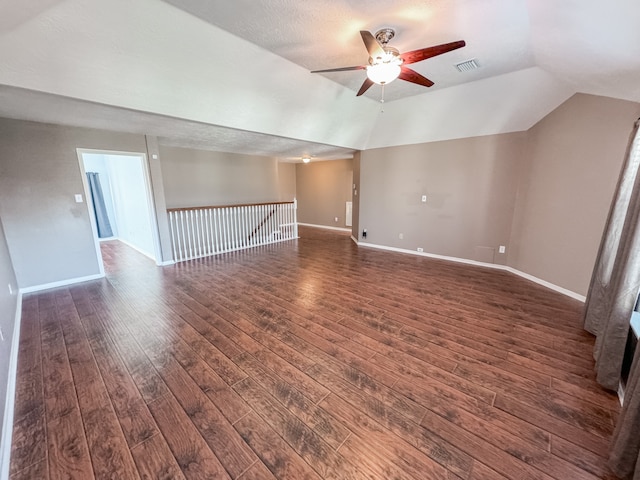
x,y
124,200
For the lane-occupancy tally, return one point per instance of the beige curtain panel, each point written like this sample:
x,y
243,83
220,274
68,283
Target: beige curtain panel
x,y
610,302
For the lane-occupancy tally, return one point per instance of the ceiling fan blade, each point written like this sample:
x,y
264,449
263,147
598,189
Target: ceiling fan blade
x,y
365,86
414,77
341,69
373,47
424,53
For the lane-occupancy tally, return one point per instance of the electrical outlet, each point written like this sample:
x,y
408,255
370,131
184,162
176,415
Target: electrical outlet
x,y
335,219
420,249
502,249
424,199
401,236
78,198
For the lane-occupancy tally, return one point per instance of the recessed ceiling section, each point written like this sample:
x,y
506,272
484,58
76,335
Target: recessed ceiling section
x,y
28,105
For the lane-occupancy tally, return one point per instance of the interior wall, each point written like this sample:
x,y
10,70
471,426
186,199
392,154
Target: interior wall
x,y
572,167
323,189
8,305
48,234
287,181
470,187
194,178
131,202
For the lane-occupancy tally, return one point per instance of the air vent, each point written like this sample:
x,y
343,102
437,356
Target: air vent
x,y
468,65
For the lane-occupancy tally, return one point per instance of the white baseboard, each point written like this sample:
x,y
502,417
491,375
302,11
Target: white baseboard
x,y
496,266
166,264
355,240
61,283
7,422
544,283
339,229
137,249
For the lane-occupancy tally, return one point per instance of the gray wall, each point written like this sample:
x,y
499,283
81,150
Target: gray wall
x,y
195,178
323,189
8,305
471,187
574,156
49,234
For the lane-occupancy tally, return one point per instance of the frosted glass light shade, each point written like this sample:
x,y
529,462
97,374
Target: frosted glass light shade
x,y
383,73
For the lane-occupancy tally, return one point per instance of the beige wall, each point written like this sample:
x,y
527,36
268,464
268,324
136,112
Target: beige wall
x,y
574,156
195,178
470,185
323,188
49,235
287,181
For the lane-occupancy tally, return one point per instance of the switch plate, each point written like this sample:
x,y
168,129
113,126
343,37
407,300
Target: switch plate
x,y
335,219
78,198
424,199
502,249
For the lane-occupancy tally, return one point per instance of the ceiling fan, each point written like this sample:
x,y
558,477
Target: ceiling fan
x,y
387,63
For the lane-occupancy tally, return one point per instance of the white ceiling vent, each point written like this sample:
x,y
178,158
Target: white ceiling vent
x,y
468,65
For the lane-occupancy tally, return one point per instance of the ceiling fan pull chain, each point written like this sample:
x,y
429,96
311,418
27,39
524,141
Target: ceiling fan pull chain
x,y
382,100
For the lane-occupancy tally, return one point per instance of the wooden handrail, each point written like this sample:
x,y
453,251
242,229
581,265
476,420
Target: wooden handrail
x,y
182,209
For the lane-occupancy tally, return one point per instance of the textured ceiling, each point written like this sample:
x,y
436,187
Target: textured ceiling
x,y
325,34
234,76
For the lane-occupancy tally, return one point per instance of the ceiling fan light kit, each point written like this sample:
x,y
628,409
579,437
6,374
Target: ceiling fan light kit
x,y
387,63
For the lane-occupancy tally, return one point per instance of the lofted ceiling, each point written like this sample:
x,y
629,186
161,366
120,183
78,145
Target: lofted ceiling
x,y
234,76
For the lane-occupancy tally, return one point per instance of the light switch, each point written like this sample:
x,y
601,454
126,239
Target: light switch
x,y
78,198
424,199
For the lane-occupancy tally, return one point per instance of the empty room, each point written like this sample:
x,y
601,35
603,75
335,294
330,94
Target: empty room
x,y
319,240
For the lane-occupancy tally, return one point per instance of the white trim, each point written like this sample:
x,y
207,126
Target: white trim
x,y
7,422
354,239
148,186
496,266
146,254
339,229
621,394
167,263
61,283
88,202
544,283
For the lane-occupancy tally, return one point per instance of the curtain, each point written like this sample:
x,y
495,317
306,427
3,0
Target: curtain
x,y
616,276
624,459
99,208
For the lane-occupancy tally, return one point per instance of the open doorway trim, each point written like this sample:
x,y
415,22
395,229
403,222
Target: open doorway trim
x,y
148,189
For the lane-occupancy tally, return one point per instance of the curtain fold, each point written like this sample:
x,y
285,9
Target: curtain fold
x,y
612,296
616,276
99,207
624,458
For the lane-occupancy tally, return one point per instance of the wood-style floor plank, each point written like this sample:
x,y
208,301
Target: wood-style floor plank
x,y
306,360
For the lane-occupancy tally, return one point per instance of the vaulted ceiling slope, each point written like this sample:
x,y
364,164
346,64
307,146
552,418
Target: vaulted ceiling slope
x,y
222,75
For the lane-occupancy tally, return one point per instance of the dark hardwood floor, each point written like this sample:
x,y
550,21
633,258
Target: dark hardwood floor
x,y
305,360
